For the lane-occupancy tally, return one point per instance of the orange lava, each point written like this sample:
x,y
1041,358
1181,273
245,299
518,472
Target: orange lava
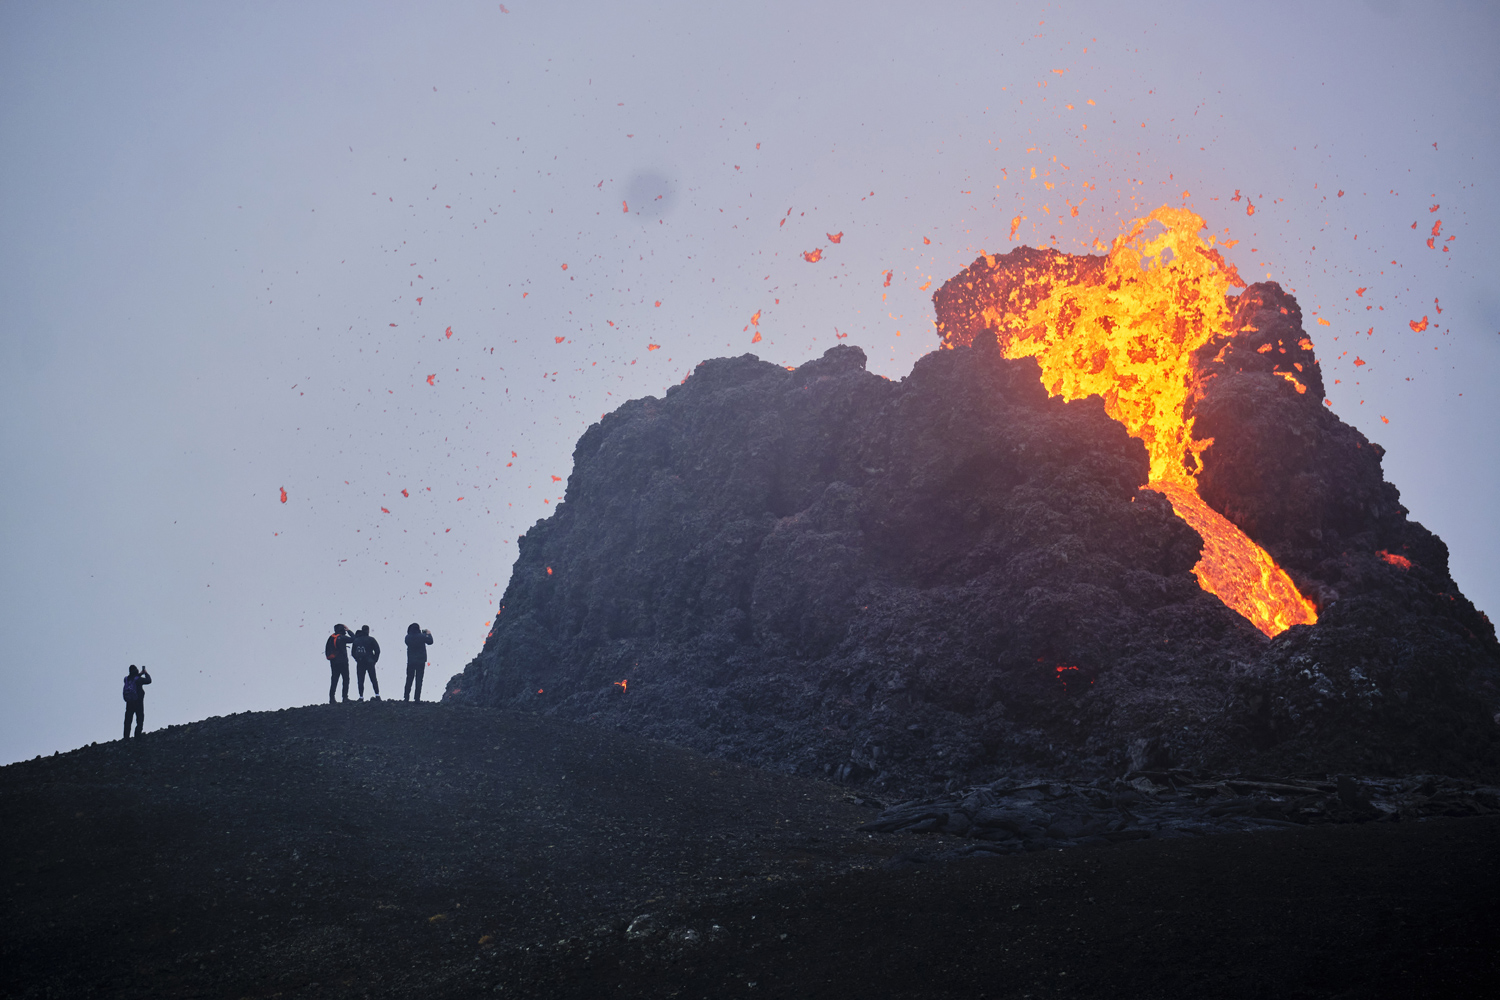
x,y
1401,562
1126,332
1236,570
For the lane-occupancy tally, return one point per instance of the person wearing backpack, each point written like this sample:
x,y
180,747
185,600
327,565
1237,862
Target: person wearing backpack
x,y
366,652
417,641
337,651
135,699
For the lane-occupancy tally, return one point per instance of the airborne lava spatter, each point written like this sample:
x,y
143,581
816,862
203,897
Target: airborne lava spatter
x,y
1124,327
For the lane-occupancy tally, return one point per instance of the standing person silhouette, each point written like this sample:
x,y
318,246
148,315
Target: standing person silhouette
x,y
417,641
366,651
337,651
135,699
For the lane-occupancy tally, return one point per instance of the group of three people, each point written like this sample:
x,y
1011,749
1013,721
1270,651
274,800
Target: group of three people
x,y
366,652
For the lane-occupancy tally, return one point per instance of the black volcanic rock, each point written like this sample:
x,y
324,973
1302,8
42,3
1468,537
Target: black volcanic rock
x,y
1401,672
956,576
1390,674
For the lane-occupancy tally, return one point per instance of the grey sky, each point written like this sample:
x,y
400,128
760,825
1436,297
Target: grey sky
x,y
218,221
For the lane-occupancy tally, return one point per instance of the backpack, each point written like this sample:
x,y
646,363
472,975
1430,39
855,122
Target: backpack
x,y
132,690
331,647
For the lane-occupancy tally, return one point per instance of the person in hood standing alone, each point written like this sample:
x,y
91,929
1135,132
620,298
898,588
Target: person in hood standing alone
x,y
337,651
417,641
366,652
135,699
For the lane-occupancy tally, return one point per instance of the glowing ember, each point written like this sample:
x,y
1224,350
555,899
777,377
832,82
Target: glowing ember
x,y
1066,674
1401,562
1124,327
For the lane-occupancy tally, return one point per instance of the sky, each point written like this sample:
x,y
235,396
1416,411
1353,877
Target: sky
x,y
304,306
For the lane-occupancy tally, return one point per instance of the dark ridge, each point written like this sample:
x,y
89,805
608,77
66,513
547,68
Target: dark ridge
x,y
395,850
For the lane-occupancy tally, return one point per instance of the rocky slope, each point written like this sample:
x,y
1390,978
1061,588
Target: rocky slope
x,y
954,577
398,850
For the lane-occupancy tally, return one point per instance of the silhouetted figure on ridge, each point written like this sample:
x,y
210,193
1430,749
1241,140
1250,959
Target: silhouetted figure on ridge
x,y
366,651
337,651
135,699
417,641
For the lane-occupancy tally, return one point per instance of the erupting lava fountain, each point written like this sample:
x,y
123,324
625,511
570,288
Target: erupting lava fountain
x,y
1126,327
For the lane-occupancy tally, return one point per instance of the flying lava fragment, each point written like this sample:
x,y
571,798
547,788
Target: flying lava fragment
x,y
283,494
431,379
1418,326
405,494
887,280
813,256
837,237
448,332
1015,224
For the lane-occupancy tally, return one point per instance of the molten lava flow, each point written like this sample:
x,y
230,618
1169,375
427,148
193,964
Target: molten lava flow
x,y
1237,570
1125,328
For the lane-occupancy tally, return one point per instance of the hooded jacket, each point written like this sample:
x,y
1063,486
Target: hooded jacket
x,y
416,645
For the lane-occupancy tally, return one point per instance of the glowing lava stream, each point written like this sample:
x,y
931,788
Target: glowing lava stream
x,y
1126,332
1239,572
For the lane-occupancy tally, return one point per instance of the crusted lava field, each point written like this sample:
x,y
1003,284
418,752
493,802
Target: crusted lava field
x,y
957,577
397,850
